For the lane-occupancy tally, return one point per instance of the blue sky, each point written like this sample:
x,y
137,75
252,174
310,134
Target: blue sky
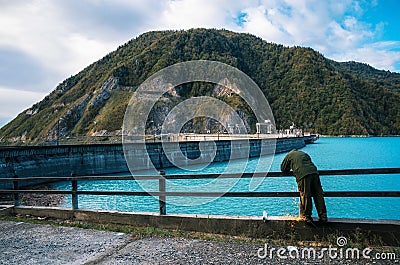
x,y
43,42
386,12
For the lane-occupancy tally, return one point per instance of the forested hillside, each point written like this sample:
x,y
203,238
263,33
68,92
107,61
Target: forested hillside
x,y
301,85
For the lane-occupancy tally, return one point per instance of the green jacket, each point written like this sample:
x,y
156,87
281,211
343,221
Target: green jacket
x,y
300,163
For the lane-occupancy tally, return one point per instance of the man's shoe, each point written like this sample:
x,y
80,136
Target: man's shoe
x,y
308,218
310,222
323,219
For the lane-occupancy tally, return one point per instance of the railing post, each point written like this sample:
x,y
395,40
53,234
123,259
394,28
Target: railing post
x,y
16,195
74,183
162,198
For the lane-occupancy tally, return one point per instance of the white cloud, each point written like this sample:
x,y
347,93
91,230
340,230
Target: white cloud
x,y
323,25
189,14
14,101
60,43
66,36
186,14
81,51
382,55
260,21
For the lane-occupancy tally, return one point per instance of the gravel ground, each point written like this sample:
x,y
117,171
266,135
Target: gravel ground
x,y
23,243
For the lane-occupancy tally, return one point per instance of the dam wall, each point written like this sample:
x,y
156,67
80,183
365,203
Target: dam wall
x,y
98,159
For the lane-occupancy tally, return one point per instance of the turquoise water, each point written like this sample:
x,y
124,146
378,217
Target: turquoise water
x,y
327,153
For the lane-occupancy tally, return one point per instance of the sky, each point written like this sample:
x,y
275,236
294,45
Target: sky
x,y
43,42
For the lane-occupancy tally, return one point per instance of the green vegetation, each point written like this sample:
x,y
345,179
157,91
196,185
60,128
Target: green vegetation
x,y
301,85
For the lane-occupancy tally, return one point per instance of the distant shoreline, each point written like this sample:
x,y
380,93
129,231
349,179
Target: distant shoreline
x,y
355,136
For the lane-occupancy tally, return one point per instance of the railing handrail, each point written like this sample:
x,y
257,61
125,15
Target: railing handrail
x,y
329,172
162,194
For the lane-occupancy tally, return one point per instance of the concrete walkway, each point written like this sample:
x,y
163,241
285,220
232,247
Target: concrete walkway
x,y
23,243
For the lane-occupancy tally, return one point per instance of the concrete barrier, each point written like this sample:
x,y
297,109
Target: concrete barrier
x,y
286,228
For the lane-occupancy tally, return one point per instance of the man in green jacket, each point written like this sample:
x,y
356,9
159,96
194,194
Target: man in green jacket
x,y
308,183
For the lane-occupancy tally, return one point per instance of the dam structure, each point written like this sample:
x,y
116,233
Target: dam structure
x,y
92,159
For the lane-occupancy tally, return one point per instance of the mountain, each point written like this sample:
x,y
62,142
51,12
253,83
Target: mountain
x,y
300,84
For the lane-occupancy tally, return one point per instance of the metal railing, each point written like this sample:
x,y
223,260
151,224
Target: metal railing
x,y
163,194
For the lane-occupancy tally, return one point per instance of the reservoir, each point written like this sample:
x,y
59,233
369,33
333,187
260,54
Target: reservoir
x,y
327,153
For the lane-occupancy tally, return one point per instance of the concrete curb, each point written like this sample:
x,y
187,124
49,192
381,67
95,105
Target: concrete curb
x,y
388,231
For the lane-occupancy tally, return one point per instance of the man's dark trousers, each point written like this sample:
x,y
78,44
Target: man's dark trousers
x,y
310,187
